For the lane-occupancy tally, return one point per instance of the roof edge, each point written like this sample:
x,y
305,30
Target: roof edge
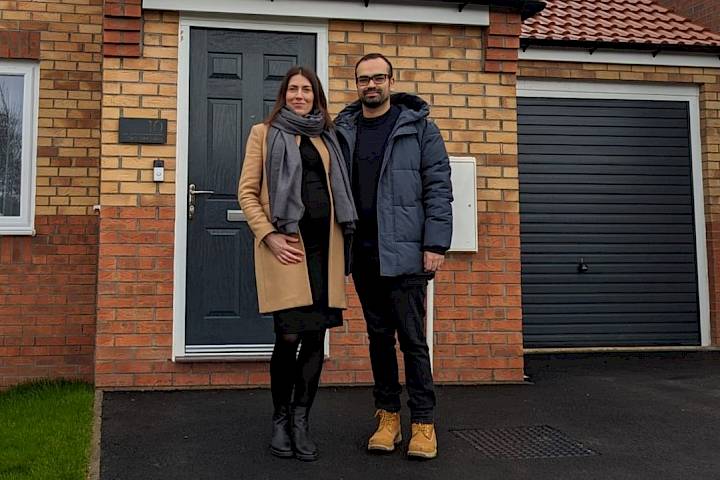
x,y
526,42
527,8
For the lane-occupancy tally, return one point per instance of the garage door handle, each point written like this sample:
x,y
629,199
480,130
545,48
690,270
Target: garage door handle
x,y
582,266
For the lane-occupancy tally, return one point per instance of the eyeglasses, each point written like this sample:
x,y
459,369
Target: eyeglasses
x,y
378,79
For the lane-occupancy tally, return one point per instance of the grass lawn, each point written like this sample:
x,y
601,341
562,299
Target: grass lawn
x,y
45,431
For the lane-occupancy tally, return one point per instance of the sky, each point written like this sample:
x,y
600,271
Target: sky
x,y
13,86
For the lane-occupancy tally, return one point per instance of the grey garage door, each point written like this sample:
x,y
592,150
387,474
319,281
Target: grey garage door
x,y
606,214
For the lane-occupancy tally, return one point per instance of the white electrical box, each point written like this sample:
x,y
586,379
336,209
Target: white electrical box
x,y
464,206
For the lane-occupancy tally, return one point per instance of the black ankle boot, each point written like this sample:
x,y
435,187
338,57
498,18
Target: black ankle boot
x,y
305,449
280,444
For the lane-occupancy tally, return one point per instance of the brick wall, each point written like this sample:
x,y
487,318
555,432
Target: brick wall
x,y
477,318
69,115
47,300
702,12
135,273
122,28
66,40
708,80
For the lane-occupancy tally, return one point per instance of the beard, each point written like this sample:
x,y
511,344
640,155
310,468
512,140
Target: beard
x,y
375,101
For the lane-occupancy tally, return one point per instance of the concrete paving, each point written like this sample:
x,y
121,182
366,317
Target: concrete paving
x,y
646,416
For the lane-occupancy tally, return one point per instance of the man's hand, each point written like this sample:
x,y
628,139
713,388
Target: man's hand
x,y
279,245
432,261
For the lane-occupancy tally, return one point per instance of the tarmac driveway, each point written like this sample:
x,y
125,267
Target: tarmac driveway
x,y
641,416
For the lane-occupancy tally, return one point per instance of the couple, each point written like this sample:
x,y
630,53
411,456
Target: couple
x,y
374,187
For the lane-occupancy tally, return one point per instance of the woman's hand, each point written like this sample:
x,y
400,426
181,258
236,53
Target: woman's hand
x,y
280,245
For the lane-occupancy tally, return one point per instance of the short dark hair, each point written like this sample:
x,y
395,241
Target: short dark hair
x,y
319,101
372,56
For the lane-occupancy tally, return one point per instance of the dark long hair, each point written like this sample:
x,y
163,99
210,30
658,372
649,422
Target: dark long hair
x,y
319,100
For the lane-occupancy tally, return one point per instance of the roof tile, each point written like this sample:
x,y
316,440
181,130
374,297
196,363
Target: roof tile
x,y
618,21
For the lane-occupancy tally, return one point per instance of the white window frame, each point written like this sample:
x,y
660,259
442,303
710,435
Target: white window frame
x,y
24,224
640,91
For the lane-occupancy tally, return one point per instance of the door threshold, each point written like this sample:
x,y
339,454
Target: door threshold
x,y
223,358
226,353
687,348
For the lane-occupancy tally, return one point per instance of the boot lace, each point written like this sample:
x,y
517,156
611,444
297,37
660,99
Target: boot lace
x,y
386,418
426,429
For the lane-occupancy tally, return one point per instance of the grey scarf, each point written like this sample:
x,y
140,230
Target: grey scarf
x,y
284,171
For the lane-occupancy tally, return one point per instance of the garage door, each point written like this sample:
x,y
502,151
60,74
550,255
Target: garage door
x,y
607,233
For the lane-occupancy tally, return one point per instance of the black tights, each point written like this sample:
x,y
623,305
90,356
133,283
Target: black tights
x,y
301,373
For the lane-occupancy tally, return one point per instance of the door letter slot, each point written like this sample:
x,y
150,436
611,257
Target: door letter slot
x,y
236,216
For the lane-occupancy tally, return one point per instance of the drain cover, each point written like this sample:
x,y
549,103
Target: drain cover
x,y
540,441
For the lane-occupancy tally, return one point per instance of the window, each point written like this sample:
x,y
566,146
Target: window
x,y
18,133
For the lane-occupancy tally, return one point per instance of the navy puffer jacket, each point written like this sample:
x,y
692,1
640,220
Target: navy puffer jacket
x,y
414,192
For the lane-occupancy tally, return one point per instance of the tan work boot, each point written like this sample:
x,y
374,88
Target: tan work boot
x,y
388,433
423,443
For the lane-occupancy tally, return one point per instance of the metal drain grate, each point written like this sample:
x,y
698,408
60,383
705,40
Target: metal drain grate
x,y
541,441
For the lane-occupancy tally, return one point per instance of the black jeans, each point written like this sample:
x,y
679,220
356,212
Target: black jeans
x,y
390,305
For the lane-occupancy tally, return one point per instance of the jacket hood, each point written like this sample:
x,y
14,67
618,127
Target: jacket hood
x,y
412,108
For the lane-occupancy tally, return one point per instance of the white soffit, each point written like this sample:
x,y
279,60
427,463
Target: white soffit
x,y
671,59
377,10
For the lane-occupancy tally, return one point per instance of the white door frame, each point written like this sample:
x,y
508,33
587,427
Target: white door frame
x,y
627,91
320,29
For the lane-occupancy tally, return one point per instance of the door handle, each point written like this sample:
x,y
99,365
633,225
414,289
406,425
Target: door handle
x,y
191,198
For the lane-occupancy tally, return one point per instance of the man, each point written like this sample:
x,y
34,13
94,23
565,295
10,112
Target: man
x,y
400,176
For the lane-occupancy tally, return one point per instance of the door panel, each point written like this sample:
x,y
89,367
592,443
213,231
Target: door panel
x,y
234,79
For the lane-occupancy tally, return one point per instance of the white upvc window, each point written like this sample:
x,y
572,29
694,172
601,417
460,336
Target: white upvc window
x,y
19,90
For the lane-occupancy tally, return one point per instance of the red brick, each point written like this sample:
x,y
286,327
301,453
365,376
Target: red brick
x,y
20,44
125,24
115,36
189,379
48,304
229,379
509,29
122,50
123,10
475,375
508,375
503,54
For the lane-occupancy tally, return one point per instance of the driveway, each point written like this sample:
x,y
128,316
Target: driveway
x,y
582,416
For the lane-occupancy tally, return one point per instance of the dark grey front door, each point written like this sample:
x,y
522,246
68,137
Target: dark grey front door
x,y
234,78
607,225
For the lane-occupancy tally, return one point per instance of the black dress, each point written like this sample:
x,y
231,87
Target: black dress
x,y
315,231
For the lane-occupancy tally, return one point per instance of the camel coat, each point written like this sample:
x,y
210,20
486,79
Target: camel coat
x,y
284,286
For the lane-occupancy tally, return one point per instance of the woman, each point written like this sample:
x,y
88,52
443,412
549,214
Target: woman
x,y
295,193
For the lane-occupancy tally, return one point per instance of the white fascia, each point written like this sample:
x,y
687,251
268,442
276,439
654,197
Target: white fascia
x,y
630,57
433,12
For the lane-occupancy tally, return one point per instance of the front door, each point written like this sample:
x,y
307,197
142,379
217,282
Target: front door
x,y
234,79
